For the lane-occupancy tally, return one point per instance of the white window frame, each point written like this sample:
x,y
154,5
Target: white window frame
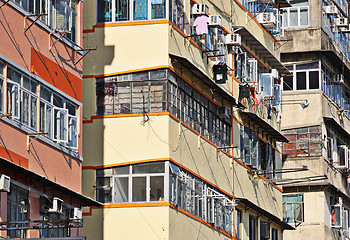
x,y
15,90
298,14
73,132
57,125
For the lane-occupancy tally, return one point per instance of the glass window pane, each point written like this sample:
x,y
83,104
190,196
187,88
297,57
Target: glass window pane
x,y
104,10
293,17
139,189
121,189
288,83
140,9
158,9
25,105
301,80
13,75
314,82
304,16
33,112
148,168
157,188
2,66
121,170
62,15
122,10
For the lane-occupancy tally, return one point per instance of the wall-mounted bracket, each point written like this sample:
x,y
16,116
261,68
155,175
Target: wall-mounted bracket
x,y
221,148
61,33
36,19
85,52
36,135
5,115
204,52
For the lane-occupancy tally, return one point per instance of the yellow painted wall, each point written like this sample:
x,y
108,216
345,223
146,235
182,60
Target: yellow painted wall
x,y
257,190
184,227
126,48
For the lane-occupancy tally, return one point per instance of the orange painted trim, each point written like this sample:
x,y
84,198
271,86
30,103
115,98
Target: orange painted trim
x,y
118,24
131,205
125,163
237,120
14,157
125,72
257,22
124,115
225,30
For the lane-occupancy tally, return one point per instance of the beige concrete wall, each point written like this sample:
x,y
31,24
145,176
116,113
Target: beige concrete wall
x,y
125,139
293,117
257,190
184,227
126,48
195,153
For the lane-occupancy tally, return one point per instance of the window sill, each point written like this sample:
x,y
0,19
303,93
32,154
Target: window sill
x,y
43,139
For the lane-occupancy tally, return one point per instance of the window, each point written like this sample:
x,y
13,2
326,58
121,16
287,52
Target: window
x,y
253,227
306,77
303,142
17,210
297,15
57,114
149,182
127,10
61,13
274,234
264,230
160,91
336,212
238,221
134,183
293,208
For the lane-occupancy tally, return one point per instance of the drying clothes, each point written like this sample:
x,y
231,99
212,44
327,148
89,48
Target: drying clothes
x,y
244,95
269,112
201,24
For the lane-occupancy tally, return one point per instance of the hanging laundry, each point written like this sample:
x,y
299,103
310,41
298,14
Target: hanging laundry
x,y
244,95
269,112
201,24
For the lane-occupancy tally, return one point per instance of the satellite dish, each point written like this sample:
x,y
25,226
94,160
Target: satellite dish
x,y
304,104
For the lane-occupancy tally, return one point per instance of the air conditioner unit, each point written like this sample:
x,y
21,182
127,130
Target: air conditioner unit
x,y
341,22
343,155
77,214
233,39
223,112
200,9
5,183
267,1
339,78
274,74
332,9
56,205
267,19
345,29
214,21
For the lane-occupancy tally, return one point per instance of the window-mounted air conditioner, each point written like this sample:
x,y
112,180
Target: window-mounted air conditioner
x,y
343,158
332,9
274,74
267,1
223,112
200,9
77,214
339,78
267,19
233,39
5,183
345,29
341,22
56,205
214,21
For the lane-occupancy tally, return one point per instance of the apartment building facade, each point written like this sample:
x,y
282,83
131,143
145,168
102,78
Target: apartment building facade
x,y
41,120
316,51
181,136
